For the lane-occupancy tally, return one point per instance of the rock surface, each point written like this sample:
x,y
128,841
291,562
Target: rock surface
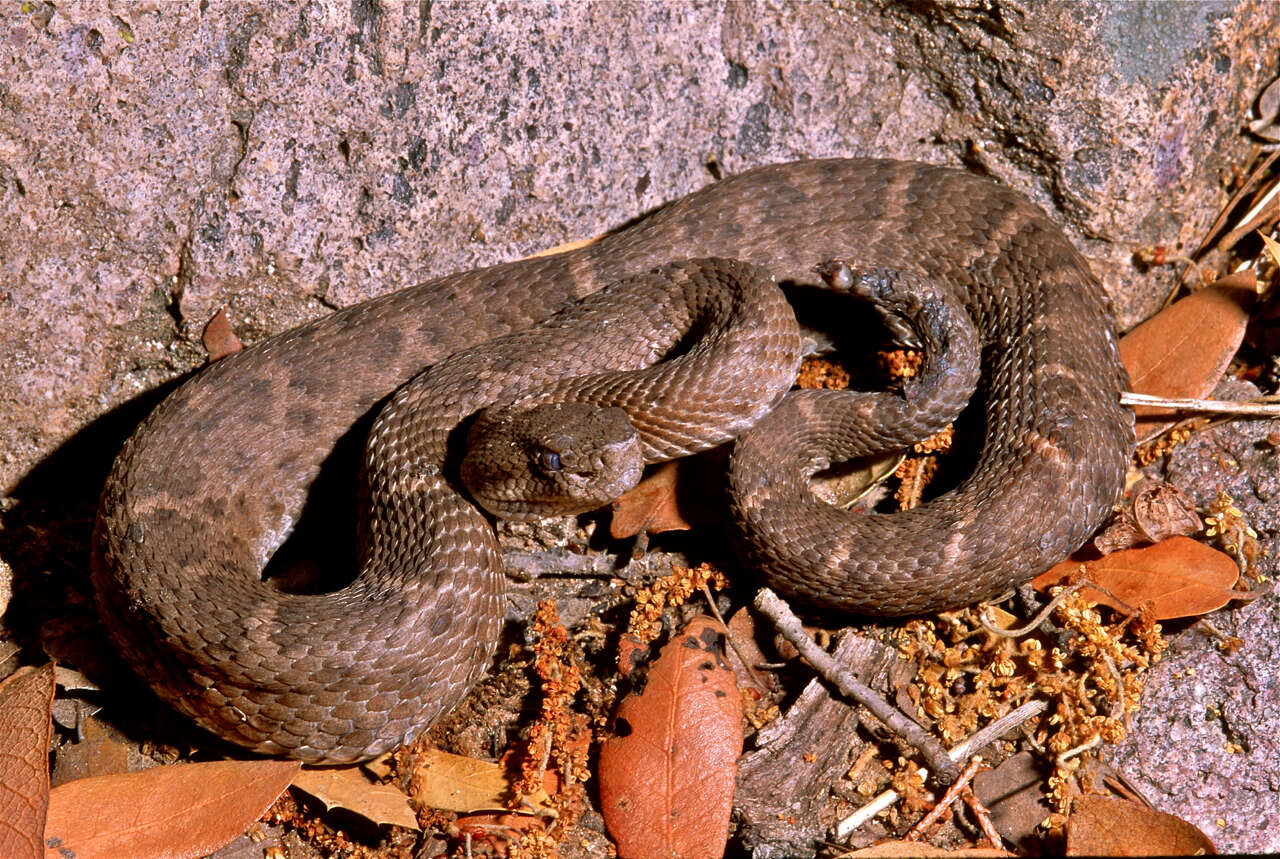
x,y
1206,743
163,160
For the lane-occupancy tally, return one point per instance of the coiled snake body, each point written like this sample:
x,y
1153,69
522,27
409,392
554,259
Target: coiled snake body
x,y
212,483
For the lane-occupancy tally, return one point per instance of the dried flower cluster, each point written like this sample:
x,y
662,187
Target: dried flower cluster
x,y
669,591
1227,523
822,373
1092,672
915,472
1165,443
900,363
558,740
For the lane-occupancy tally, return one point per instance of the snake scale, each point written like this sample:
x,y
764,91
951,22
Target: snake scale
x,y
213,481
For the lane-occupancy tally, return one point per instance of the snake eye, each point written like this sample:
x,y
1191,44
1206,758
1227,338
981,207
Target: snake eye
x,y
550,461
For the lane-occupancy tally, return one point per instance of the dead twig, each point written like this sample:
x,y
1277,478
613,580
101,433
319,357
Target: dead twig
x,y
772,606
917,831
960,751
1264,407
1035,621
983,816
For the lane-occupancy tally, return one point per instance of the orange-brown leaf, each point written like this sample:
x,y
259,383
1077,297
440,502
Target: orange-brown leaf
x,y
1183,349
349,788
459,783
1103,826
650,506
25,722
1180,576
219,337
666,780
173,811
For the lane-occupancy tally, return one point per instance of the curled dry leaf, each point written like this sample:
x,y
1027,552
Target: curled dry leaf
x,y
1103,826
1159,511
25,723
188,810
1183,350
1267,125
846,483
347,787
666,780
219,337
742,629
1179,576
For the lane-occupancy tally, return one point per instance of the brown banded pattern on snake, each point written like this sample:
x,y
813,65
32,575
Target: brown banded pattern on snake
x,y
211,484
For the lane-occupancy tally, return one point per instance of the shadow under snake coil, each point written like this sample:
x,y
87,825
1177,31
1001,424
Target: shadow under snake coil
x,y
213,481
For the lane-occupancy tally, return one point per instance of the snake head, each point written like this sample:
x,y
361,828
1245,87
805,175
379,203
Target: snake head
x,y
550,459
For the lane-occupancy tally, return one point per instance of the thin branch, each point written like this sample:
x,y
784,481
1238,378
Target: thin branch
x,y
1266,407
1035,621
953,793
983,815
959,752
773,607
728,636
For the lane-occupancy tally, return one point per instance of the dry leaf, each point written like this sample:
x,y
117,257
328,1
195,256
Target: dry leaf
x,y
458,783
846,483
650,506
219,338
565,247
1102,826
742,631
1183,350
189,810
349,788
1267,125
1159,511
1272,246
1014,794
25,701
100,750
666,780
1181,578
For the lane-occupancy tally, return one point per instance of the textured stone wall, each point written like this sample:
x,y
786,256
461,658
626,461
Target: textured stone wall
x,y
160,160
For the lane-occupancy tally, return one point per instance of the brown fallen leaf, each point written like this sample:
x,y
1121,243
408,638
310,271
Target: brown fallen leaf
x,y
349,788
459,783
188,810
465,785
99,750
1183,350
650,506
742,631
1180,576
667,778
846,483
1103,826
25,722
1014,794
219,337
